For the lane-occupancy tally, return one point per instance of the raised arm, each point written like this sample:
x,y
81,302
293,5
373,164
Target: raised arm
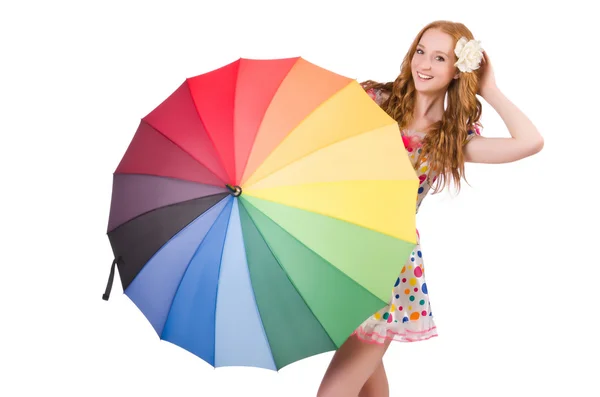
x,y
525,139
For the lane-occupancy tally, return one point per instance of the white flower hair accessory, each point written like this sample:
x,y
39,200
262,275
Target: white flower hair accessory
x,y
469,54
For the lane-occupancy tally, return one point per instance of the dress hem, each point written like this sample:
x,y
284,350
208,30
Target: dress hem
x,y
406,336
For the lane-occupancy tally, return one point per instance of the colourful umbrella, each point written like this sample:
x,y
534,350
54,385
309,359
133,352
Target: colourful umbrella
x,y
262,212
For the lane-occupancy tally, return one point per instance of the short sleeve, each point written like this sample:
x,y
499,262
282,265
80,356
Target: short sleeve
x,y
474,130
377,94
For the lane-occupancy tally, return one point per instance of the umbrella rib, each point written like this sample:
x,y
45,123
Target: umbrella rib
x,y
215,150
217,289
171,177
185,151
191,258
234,112
337,217
262,326
243,169
172,205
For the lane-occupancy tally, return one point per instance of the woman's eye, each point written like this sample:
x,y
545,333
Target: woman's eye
x,y
419,51
441,59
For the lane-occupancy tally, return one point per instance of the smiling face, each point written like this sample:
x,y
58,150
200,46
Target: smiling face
x,y
432,64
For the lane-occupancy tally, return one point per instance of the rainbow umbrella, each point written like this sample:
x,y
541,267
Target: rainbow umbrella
x,y
262,212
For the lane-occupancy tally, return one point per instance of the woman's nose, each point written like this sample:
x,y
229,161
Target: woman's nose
x,y
425,65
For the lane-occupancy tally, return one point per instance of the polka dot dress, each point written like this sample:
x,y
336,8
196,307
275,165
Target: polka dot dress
x,y
408,316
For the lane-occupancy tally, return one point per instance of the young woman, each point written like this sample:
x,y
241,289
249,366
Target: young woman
x,y
443,62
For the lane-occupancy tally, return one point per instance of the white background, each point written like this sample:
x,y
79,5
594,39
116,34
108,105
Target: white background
x,y
512,261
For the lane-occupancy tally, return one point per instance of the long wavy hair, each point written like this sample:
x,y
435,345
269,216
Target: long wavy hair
x,y
444,140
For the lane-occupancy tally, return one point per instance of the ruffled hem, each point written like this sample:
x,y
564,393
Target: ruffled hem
x,y
375,332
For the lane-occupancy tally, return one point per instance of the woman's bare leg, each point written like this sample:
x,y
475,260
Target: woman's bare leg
x,y
352,365
377,385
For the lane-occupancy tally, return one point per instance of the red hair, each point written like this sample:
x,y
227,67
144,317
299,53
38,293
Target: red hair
x,y
444,140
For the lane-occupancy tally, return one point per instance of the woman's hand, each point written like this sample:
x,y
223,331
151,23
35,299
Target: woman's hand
x,y
487,81
525,139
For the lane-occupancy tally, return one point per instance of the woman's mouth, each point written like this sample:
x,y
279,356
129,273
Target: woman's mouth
x,y
424,77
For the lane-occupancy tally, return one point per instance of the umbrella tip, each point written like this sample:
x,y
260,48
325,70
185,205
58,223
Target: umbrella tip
x,y
235,191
